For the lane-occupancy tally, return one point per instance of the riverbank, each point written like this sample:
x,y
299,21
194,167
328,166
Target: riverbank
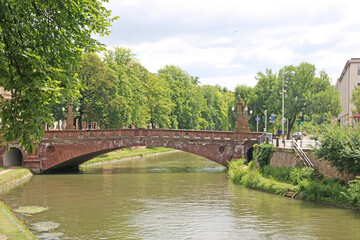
x,y
125,154
300,181
10,226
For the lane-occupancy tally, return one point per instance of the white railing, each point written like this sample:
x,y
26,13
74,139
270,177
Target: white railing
x,y
302,155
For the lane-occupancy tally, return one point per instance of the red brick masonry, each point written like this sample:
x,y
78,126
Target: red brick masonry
x,y
61,150
287,157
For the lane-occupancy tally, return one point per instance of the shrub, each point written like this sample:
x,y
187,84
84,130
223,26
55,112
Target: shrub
x,y
278,173
239,173
353,192
314,190
299,174
340,148
264,154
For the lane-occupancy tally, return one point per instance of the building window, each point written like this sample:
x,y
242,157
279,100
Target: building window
x,y
358,69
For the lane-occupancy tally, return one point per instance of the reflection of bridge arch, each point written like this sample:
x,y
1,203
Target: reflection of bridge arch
x,y
61,150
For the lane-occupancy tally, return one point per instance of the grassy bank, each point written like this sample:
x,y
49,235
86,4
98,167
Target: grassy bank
x,y
300,180
125,153
10,226
250,176
12,177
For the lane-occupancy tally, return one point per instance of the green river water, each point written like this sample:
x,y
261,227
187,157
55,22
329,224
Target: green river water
x,y
171,196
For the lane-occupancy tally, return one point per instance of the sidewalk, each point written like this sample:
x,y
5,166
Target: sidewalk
x,y
304,143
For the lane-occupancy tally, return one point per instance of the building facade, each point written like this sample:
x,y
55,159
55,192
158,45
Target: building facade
x,y
348,80
5,94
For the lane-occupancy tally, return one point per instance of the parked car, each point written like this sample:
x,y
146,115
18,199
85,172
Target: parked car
x,y
297,135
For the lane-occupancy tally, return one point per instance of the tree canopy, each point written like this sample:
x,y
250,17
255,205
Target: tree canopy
x,y
340,146
47,57
305,93
41,45
355,98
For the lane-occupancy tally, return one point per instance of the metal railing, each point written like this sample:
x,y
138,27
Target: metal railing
x,y
302,154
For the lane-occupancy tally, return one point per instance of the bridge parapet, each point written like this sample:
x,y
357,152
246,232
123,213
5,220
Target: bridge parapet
x,y
149,133
70,148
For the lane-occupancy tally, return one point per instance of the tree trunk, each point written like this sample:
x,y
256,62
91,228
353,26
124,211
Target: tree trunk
x,y
291,124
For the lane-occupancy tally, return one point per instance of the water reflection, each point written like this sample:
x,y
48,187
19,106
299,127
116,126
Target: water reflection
x,y
173,196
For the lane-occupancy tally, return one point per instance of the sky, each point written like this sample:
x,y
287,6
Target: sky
x,y
227,42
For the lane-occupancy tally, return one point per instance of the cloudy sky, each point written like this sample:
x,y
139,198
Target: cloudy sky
x,y
227,42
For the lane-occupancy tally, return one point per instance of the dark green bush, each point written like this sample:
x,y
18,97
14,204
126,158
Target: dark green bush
x,y
264,154
299,174
353,193
278,173
316,191
239,173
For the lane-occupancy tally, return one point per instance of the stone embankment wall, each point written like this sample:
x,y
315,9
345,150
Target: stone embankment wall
x,y
287,157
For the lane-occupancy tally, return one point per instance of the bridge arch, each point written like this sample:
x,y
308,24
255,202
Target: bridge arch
x,y
250,154
13,157
74,158
68,149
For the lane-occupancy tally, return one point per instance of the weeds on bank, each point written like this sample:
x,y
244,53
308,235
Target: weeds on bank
x,y
281,179
6,179
250,176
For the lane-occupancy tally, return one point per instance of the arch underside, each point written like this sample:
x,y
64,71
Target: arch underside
x,y
12,157
70,156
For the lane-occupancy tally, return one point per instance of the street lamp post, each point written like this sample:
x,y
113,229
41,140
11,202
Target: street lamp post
x,y
292,73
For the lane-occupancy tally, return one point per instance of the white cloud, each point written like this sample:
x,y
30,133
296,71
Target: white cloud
x,y
227,42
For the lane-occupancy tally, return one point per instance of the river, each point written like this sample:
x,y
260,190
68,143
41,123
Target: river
x,y
171,196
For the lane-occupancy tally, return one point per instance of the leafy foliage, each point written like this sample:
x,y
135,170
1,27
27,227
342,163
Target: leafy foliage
x,y
316,191
239,173
299,174
340,146
41,44
305,92
278,173
264,154
353,192
355,98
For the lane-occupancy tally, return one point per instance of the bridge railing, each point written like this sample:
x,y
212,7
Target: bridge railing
x,y
152,133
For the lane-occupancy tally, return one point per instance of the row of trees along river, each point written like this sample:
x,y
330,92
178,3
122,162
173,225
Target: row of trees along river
x,y
117,91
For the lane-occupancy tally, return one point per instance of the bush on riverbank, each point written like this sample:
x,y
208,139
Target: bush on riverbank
x,y
240,173
126,153
281,174
263,153
353,193
267,179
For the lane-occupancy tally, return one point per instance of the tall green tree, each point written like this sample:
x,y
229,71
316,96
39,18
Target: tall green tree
x,y
158,93
355,98
217,111
306,92
41,44
99,102
131,86
185,95
266,95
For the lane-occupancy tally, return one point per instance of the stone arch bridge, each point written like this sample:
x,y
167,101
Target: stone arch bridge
x,y
63,150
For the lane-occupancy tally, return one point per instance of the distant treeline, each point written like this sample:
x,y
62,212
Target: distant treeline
x,y
117,91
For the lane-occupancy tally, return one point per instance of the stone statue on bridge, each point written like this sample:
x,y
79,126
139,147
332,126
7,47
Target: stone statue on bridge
x,y
242,118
